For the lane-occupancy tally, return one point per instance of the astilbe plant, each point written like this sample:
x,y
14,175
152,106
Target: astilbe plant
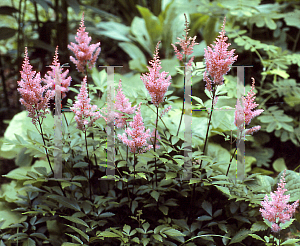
x,y
187,45
84,110
122,104
110,202
50,77
187,49
218,60
138,142
246,112
278,210
34,96
157,85
155,82
84,52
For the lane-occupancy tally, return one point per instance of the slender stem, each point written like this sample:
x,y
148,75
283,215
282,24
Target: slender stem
x,y
134,162
87,153
204,148
230,162
207,131
65,118
159,117
155,144
182,109
296,41
47,155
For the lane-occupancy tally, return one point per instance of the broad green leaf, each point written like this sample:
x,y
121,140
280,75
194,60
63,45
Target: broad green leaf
x,y
140,33
133,51
153,24
293,18
113,30
279,165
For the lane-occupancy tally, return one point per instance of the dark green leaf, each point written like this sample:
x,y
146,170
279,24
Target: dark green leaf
x,y
7,33
74,5
75,220
7,10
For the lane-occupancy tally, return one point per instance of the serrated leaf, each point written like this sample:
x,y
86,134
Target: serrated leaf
x,y
173,233
75,220
207,207
259,226
158,237
204,218
256,237
74,237
224,190
80,164
155,195
84,235
108,234
69,203
29,242
39,235
163,209
127,229
240,236
291,241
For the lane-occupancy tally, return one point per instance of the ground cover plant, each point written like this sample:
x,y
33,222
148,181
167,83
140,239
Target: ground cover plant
x,y
126,162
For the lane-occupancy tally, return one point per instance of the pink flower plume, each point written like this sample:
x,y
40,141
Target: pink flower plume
x,y
186,45
247,113
84,53
278,210
34,96
138,142
50,77
122,104
155,82
218,60
84,110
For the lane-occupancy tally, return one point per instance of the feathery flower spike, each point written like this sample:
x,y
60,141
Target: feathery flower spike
x,y
138,144
155,82
278,210
247,114
34,96
84,110
185,44
50,77
218,60
84,53
122,104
